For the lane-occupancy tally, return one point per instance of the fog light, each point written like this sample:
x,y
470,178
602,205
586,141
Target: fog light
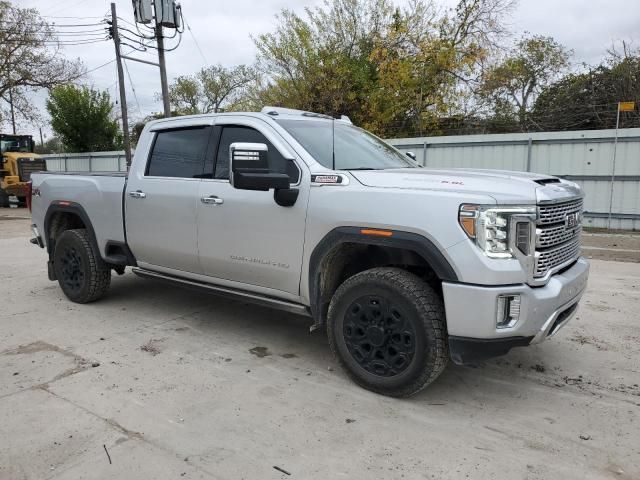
x,y
508,311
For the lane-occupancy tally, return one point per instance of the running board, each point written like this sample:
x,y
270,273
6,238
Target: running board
x,y
232,293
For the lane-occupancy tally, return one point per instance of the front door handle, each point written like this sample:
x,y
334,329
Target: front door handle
x,y
212,200
137,194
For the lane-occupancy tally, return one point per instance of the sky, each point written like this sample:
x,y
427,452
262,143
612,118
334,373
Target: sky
x,y
220,32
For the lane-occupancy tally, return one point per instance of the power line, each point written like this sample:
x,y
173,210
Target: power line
x,y
195,41
54,42
105,64
133,89
75,18
100,66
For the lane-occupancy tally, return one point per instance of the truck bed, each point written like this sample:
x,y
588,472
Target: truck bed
x,y
87,174
97,195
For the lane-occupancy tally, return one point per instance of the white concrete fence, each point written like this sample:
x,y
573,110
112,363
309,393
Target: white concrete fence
x,y
586,157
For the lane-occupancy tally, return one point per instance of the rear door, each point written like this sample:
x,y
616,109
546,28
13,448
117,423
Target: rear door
x,y
162,200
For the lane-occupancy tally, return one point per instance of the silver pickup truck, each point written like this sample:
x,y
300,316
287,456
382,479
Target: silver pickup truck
x,y
406,267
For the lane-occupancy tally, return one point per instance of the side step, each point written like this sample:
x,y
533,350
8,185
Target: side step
x,y
232,293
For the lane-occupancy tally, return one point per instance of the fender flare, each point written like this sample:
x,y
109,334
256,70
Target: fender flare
x,y
68,207
77,209
419,244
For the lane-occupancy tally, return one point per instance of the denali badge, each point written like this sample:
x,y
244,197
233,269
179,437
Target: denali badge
x,y
572,220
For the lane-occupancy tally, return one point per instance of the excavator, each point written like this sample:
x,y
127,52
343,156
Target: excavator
x,y
17,164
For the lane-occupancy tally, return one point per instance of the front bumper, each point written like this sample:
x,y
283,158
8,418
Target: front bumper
x,y
471,312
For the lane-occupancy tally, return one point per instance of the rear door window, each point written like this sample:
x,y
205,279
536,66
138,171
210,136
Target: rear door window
x,y
179,153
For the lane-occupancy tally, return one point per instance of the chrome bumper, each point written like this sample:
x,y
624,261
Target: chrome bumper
x,y
472,309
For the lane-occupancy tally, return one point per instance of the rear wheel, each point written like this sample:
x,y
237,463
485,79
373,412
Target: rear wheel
x,y
82,275
387,328
4,199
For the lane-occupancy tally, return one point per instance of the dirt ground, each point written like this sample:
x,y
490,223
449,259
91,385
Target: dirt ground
x,y
158,382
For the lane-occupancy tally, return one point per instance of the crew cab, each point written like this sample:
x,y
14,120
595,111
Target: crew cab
x,y
406,267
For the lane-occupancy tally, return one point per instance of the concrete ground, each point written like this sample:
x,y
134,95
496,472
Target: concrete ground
x,y
159,382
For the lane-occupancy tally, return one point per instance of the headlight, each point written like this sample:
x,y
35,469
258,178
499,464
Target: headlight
x,y
498,230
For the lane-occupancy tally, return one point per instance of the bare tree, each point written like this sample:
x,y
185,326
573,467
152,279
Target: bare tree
x,y
30,59
212,89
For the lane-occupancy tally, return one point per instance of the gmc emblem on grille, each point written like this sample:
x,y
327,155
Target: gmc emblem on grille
x,y
572,220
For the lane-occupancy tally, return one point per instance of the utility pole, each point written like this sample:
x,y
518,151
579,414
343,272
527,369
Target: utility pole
x,y
41,140
123,95
13,116
622,107
163,69
159,13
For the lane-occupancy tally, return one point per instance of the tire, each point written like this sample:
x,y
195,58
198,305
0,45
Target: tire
x,y
82,274
387,329
4,199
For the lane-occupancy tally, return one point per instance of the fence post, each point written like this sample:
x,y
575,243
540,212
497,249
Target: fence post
x,y
529,151
424,154
90,163
65,162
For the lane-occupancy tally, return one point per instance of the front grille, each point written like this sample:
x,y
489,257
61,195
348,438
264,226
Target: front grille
x,y
556,213
553,235
556,243
27,166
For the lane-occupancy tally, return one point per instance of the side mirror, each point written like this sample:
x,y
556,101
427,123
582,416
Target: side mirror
x,y
411,155
249,169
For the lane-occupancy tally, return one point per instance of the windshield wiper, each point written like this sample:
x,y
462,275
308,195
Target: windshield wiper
x,y
360,168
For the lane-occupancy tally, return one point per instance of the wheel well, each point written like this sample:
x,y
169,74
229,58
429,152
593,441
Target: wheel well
x,y
60,222
347,259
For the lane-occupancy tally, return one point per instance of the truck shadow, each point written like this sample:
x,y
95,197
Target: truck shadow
x,y
265,332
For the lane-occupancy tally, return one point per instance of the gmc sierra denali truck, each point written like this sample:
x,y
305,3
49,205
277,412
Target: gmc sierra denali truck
x,y
405,266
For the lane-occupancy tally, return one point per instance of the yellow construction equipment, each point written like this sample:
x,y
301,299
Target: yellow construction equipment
x,y
16,166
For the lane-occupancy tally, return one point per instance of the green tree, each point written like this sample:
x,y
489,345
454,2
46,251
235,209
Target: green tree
x,y
589,100
83,119
391,70
30,59
212,89
51,145
511,86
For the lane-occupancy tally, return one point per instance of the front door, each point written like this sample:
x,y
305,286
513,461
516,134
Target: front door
x,y
245,236
162,200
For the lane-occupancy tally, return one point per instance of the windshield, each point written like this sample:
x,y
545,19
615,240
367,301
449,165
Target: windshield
x,y
355,149
15,144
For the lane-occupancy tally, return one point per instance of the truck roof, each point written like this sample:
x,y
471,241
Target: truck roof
x,y
266,112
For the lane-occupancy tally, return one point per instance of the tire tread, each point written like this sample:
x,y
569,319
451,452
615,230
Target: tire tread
x,y
99,272
430,307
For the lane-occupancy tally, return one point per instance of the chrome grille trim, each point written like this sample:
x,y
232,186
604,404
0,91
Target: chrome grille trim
x,y
554,257
553,235
556,213
556,246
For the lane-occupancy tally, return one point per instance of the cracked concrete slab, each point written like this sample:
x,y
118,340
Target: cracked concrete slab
x,y
192,386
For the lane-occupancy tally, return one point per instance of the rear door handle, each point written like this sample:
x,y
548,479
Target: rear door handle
x,y
212,200
137,194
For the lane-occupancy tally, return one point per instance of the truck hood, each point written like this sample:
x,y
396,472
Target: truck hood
x,y
503,186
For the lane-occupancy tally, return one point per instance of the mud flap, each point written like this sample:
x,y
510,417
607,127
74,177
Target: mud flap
x,y
51,273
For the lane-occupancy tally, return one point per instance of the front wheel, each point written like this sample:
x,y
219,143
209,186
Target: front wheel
x,y
81,273
387,328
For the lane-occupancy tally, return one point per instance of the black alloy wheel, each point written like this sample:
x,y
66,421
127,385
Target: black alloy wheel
x,y
72,274
378,335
